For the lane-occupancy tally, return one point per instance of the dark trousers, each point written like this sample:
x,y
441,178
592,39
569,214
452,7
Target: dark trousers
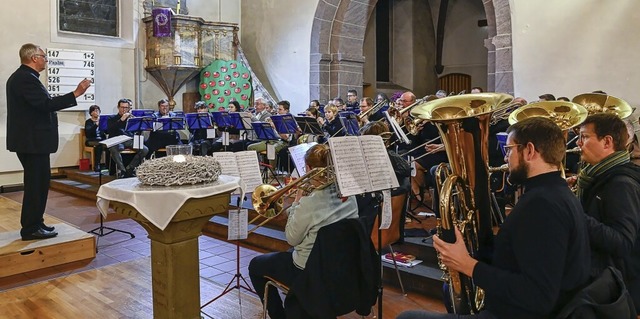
x,y
37,173
419,314
117,157
279,266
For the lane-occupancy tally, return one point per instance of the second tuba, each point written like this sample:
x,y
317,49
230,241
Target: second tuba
x,y
463,123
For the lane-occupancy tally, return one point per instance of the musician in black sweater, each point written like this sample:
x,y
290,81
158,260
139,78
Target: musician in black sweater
x,y
541,253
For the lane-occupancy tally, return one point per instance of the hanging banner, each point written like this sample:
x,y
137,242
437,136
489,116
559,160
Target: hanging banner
x,y
161,22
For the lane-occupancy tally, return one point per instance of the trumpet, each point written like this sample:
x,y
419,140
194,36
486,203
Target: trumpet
x,y
421,145
268,201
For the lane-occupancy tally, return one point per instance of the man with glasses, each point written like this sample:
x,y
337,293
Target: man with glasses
x,y
352,100
609,190
32,133
116,125
531,275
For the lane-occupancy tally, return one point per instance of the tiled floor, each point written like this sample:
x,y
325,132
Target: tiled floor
x,y
217,258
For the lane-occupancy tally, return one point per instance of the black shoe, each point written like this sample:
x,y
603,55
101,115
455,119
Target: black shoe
x,y
47,228
40,234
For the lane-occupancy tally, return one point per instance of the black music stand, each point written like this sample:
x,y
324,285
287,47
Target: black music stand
x,y
237,276
349,121
100,230
309,125
242,122
142,113
266,132
285,123
196,121
170,123
138,124
224,122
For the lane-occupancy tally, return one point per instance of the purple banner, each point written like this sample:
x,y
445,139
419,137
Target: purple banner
x,y
161,22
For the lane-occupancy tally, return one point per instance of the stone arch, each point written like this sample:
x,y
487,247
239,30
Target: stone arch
x,y
337,38
499,46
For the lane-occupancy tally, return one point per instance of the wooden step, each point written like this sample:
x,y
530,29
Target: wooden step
x,y
18,256
74,188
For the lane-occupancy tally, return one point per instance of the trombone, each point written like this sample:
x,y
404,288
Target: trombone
x,y
375,108
268,201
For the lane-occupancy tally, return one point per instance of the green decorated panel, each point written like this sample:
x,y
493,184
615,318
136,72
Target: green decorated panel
x,y
224,81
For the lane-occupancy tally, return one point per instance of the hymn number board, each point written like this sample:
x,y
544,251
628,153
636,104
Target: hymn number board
x,y
66,68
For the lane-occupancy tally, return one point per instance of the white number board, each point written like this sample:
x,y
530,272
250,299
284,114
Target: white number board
x,y
66,68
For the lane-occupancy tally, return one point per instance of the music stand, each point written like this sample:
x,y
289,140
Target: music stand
x,y
170,123
136,125
266,132
309,125
285,124
142,113
100,230
196,121
242,122
103,122
349,121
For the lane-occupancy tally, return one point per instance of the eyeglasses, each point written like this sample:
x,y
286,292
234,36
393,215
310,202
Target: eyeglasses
x,y
507,148
41,55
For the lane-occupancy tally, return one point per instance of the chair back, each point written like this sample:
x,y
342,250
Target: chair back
x,y
392,234
339,276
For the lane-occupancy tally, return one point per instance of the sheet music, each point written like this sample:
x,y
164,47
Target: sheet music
x,y
249,169
397,129
228,163
387,216
238,224
347,157
297,154
377,163
116,140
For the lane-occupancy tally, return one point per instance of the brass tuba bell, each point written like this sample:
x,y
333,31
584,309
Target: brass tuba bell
x,y
565,114
463,123
602,103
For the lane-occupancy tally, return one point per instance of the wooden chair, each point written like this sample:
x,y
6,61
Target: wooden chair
x,y
86,149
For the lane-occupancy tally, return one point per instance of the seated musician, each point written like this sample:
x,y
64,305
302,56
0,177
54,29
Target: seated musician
x,y
530,276
306,216
366,103
199,138
331,124
161,138
93,134
116,126
283,108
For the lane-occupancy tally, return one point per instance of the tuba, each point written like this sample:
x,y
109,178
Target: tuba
x,y
565,114
463,123
602,103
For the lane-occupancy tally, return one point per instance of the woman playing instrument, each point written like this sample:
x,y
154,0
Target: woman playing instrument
x,y
332,125
306,216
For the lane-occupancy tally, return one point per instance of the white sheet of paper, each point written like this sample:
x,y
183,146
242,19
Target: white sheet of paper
x,y
225,138
211,133
387,215
297,154
138,142
271,151
238,224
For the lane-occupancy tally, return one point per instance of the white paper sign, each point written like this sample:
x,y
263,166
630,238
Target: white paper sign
x,y
386,209
138,142
238,224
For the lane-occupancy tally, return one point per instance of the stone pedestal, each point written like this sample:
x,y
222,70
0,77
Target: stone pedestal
x,y
174,255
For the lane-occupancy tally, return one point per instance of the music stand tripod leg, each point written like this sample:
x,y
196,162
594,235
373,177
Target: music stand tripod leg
x,y
100,230
237,277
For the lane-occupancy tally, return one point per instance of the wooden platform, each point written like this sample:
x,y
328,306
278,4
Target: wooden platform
x,y
18,256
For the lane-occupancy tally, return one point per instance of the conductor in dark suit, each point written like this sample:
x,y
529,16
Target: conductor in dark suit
x,y
32,133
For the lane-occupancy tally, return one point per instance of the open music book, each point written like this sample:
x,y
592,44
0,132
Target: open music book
x,y
115,140
297,155
361,164
241,164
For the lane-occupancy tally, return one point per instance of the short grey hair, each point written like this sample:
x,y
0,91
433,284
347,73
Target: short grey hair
x,y
27,51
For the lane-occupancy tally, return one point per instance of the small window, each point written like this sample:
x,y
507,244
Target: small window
x,y
98,17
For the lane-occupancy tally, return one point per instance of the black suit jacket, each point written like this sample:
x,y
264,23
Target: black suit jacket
x,y
32,122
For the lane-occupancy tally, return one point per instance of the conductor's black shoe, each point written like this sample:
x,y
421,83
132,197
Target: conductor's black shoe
x,y
47,228
40,234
